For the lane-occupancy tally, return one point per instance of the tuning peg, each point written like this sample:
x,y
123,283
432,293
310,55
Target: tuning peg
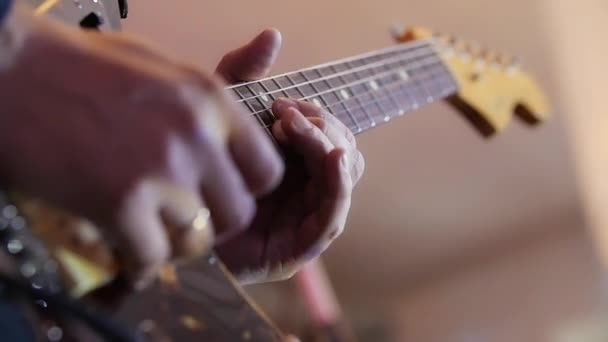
x,y
397,31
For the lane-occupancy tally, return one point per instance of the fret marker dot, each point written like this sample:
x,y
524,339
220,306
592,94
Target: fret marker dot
x,y
404,75
264,97
387,118
316,102
344,94
373,123
374,85
401,112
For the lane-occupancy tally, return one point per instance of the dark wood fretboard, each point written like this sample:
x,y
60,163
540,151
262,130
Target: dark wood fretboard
x,y
361,91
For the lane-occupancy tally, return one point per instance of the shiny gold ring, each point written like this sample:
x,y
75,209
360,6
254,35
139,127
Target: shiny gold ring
x,y
200,221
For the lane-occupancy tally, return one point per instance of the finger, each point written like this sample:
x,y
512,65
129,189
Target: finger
x,y
253,60
328,223
230,202
335,133
142,240
306,138
222,121
339,135
187,221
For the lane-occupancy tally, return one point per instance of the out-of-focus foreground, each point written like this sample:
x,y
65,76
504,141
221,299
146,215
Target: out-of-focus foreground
x,y
451,237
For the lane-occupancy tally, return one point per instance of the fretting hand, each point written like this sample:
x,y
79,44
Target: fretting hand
x,y
300,219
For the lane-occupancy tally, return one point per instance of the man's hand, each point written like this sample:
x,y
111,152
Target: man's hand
x,y
300,219
112,130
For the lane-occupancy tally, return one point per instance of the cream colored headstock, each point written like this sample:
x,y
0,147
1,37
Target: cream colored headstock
x,y
492,87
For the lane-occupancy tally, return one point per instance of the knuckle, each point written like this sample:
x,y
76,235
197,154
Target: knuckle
x,y
322,124
350,137
239,218
359,167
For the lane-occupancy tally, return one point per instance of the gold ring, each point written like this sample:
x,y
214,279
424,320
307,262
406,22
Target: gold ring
x,y
200,221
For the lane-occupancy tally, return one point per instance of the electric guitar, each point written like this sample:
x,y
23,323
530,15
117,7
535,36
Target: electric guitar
x,y
201,301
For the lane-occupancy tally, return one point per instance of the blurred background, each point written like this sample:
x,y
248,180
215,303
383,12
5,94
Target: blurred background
x,y
451,237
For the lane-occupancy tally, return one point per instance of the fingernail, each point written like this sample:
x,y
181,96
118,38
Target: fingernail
x,y
284,103
344,161
299,123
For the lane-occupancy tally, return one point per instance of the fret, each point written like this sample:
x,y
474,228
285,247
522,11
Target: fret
x,y
242,92
382,98
360,89
272,86
344,95
248,104
303,86
288,86
272,118
389,104
261,103
328,96
363,91
309,76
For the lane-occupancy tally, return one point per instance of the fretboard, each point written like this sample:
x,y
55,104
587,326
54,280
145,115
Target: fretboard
x,y
361,91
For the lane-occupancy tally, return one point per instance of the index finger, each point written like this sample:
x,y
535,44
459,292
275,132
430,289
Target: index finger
x,y
227,122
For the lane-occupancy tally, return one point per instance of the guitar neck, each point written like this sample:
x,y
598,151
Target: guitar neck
x,y
362,91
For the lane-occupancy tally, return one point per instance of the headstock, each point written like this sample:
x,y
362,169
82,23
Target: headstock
x,y
492,86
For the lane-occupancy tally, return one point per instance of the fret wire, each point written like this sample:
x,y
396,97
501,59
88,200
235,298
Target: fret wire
x,y
358,100
393,99
312,84
255,113
428,97
427,52
297,88
276,83
355,83
370,102
274,118
388,87
350,115
375,97
435,61
424,43
318,71
416,86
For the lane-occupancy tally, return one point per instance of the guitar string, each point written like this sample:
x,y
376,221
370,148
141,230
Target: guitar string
x,y
395,48
385,94
404,55
427,61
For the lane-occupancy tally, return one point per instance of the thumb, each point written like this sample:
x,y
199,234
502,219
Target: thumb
x,y
253,60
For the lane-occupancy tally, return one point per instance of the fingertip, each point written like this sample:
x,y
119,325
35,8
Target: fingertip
x,y
338,170
280,105
271,36
279,133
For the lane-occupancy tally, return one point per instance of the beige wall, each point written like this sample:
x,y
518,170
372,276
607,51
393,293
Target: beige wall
x,y
472,240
